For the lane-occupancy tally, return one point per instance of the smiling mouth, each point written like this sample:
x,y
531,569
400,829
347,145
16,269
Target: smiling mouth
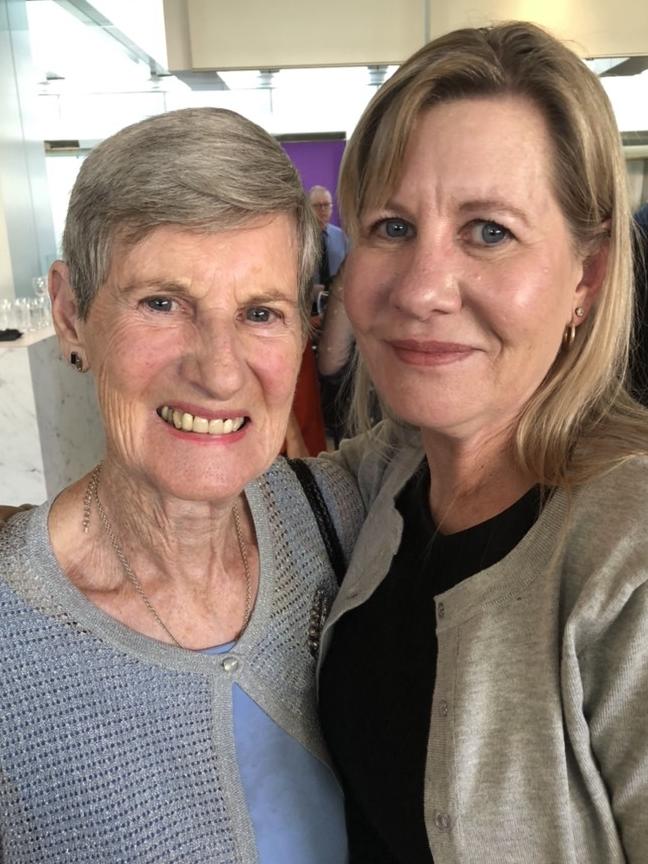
x,y
432,353
186,422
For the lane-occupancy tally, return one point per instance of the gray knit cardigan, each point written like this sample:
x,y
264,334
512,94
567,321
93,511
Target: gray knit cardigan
x,y
117,748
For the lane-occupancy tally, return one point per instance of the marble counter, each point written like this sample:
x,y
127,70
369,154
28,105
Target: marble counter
x,y
27,340
50,429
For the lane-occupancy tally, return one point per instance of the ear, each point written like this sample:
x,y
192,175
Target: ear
x,y
594,271
67,323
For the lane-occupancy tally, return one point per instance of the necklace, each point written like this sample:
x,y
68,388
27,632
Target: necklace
x,y
92,495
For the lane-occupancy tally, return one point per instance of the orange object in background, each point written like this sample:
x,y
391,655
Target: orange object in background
x,y
307,419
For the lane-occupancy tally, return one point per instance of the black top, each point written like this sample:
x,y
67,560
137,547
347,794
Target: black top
x,y
378,677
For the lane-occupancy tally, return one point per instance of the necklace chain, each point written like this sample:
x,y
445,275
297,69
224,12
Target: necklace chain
x,y
92,494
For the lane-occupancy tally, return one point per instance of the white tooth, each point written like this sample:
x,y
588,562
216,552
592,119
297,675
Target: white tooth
x,y
238,422
177,419
228,426
165,412
200,424
215,427
187,422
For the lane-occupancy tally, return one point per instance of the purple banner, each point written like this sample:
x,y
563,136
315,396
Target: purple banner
x,y
318,163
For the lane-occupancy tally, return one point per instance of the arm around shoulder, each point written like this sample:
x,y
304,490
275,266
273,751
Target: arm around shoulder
x,y
6,512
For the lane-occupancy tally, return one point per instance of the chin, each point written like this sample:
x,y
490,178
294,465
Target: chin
x,y
196,480
440,416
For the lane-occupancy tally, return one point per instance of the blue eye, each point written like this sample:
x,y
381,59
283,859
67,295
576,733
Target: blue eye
x,y
259,314
394,228
486,233
159,304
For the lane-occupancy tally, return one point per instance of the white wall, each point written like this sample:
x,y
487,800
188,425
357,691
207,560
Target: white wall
x,y
26,234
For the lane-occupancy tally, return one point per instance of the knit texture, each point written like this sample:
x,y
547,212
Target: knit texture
x,y
118,748
538,744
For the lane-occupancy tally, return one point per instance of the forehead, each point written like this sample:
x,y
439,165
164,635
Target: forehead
x,y
482,147
320,197
264,249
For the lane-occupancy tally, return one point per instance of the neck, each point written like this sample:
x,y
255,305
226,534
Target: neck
x,y
472,480
184,540
185,555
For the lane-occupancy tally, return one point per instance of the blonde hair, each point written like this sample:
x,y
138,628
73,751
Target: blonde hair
x,y
203,169
580,422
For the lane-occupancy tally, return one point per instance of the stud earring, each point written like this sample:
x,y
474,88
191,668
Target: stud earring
x,y
76,360
579,311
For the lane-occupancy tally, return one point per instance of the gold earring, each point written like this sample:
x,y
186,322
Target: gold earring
x,y
568,336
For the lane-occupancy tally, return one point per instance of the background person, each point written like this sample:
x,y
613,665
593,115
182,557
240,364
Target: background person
x,y
485,684
313,414
334,246
157,682
333,241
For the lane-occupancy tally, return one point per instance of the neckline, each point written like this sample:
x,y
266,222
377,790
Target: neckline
x,y
531,500
46,569
502,581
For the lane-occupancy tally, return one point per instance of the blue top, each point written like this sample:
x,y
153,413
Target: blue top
x,y
337,247
282,779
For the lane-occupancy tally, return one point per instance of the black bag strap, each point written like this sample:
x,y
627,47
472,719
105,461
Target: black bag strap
x,y
322,516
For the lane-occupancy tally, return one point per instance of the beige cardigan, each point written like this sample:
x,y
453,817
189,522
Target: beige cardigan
x,y
538,748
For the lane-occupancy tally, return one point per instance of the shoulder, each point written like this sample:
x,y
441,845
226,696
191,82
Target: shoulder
x,y
612,509
26,565
385,456
337,486
342,497
18,538
335,231
606,551
336,235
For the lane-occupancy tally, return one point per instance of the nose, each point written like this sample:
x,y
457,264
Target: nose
x,y
217,364
429,280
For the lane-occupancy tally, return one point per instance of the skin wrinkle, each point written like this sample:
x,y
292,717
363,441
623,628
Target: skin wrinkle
x,y
170,499
509,303
182,556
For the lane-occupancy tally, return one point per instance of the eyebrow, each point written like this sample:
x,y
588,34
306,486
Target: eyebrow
x,y
168,286
483,205
272,296
474,206
176,288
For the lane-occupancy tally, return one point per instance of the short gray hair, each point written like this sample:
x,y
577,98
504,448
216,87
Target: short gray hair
x,y
204,169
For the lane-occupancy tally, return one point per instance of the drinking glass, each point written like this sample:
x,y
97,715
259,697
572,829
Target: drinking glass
x,y
21,314
6,317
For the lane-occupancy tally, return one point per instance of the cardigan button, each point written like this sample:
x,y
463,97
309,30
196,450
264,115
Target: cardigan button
x,y
443,822
443,708
230,664
441,610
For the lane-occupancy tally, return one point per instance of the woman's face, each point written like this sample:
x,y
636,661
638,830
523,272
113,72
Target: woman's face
x,y
208,326
460,288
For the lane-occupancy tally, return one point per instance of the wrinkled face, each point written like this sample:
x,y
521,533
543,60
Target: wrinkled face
x,y
195,341
322,205
460,288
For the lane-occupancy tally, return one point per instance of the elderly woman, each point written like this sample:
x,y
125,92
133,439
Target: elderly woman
x,y
485,685
157,682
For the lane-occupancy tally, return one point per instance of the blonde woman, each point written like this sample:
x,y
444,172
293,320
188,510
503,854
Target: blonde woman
x,y
484,689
